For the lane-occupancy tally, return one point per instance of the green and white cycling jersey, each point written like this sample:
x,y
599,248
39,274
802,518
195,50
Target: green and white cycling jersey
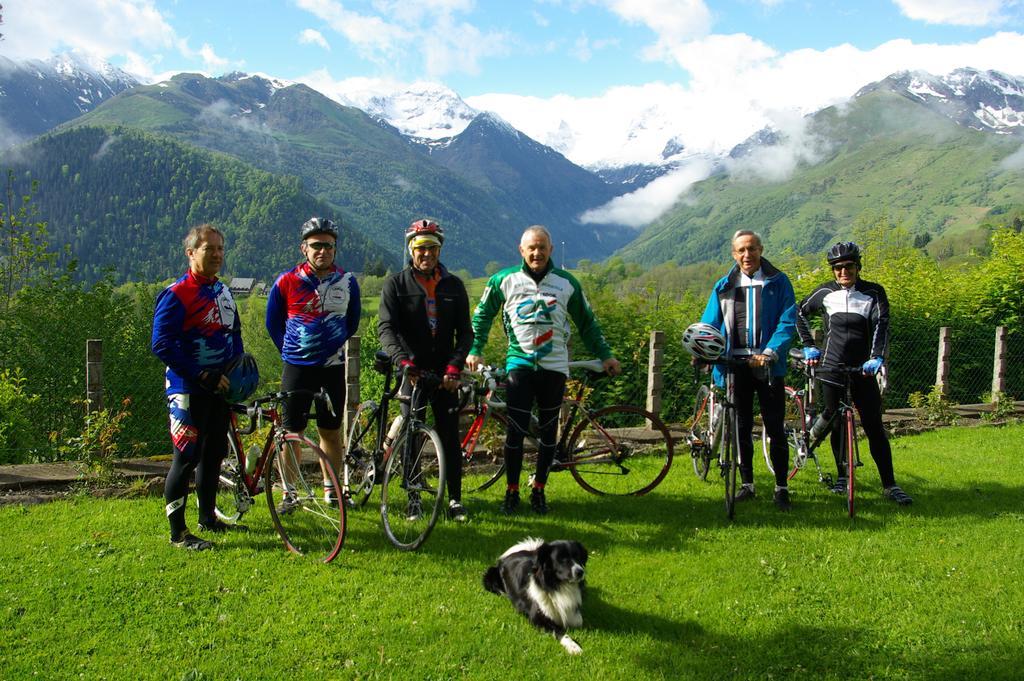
x,y
536,316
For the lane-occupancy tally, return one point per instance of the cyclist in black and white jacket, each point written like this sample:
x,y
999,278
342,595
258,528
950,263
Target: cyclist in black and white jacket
x,y
856,320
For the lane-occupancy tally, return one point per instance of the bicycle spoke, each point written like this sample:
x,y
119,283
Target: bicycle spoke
x,y
620,450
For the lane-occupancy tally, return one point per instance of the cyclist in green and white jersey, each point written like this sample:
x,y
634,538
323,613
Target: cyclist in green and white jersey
x,y
536,301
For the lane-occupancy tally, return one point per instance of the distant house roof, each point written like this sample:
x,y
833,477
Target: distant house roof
x,y
242,285
261,289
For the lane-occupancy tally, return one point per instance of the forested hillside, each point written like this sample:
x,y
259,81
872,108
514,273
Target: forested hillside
x,y
345,157
123,199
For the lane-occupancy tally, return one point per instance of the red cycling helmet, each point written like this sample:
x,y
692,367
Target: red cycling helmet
x,y
423,227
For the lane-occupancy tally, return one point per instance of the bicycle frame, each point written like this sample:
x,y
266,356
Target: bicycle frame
x,y
322,531
368,464
603,449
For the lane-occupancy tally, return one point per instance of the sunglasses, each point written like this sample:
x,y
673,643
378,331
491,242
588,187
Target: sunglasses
x,y
839,266
320,245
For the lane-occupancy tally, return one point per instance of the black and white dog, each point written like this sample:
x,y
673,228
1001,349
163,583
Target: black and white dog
x,y
544,581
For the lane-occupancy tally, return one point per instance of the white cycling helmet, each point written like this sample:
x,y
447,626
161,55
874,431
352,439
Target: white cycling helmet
x,y
704,341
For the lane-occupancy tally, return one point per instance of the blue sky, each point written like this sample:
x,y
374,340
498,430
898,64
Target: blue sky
x,y
540,48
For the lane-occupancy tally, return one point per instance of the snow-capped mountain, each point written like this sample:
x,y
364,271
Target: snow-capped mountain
x,y
983,100
37,95
426,111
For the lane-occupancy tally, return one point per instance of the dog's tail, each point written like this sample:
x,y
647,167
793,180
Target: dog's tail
x,y
493,581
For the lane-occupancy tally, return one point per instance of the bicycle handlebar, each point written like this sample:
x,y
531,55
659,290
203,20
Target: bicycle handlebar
x,y
255,410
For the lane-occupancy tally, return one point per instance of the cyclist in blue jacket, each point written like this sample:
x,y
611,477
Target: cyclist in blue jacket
x,y
196,332
755,308
312,309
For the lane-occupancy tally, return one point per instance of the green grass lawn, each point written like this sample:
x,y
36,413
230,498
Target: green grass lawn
x,y
91,587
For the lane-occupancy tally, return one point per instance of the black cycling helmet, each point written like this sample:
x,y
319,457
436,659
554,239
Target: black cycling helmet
x,y
317,226
423,227
844,251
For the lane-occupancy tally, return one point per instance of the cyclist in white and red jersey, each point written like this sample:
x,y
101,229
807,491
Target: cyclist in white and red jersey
x,y
536,301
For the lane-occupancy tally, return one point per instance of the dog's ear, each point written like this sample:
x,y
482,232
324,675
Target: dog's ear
x,y
579,553
542,559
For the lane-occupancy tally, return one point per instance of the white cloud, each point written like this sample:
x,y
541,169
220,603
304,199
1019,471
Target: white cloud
x,y
132,32
1014,161
650,201
776,163
37,30
735,83
672,21
407,30
956,12
310,36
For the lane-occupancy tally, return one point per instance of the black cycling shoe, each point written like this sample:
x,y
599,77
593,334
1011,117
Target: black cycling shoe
x,y
782,501
745,493
896,495
538,502
218,526
187,540
839,487
511,503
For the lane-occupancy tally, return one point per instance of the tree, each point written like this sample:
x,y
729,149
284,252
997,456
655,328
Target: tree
x,y
26,250
491,267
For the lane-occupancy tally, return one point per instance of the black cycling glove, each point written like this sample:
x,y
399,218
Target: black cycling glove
x,y
210,380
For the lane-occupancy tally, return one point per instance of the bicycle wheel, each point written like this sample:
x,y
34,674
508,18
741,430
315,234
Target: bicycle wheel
x,y
619,450
483,442
728,463
702,432
308,524
413,489
850,445
359,473
233,499
794,424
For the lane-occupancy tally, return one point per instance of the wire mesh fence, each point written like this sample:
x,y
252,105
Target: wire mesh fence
x,y
43,376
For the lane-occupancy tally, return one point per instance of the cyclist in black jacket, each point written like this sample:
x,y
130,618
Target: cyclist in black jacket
x,y
856,320
423,323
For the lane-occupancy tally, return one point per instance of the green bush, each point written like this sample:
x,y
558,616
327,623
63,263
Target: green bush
x,y
17,436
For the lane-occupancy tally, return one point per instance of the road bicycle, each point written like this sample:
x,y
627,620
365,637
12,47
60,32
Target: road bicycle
x,y
713,435
616,450
290,469
806,430
402,455
801,413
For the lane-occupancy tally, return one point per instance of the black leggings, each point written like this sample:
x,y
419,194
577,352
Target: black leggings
x,y
446,423
525,386
199,433
868,401
771,395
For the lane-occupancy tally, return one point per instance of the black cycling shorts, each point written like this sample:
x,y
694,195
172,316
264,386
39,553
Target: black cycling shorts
x,y
295,410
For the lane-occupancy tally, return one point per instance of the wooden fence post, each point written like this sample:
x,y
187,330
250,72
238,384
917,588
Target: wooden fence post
x,y
999,365
93,375
655,361
352,369
942,367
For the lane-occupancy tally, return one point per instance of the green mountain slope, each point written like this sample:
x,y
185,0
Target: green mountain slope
x,y
341,155
123,199
883,153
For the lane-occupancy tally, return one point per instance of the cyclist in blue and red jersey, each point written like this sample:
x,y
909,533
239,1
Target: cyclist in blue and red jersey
x,y
312,310
855,315
196,332
536,301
